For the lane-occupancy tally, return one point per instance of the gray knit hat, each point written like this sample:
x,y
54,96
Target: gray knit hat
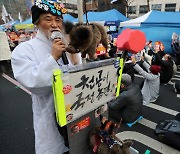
x,y
126,79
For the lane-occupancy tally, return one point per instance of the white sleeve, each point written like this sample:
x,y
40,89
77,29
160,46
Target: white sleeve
x,y
146,65
146,75
30,74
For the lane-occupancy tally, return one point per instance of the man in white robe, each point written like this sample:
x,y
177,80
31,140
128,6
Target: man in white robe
x,y
32,63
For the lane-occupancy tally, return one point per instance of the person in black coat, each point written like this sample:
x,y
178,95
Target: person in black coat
x,y
176,50
158,51
128,104
149,48
166,64
128,68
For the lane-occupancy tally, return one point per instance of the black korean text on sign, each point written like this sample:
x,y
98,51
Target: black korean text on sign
x,y
95,85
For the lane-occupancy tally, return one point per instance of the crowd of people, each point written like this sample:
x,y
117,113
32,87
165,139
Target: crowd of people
x,y
17,37
156,67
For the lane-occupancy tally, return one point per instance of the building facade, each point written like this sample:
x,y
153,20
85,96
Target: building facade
x,y
13,7
94,5
71,5
119,5
137,8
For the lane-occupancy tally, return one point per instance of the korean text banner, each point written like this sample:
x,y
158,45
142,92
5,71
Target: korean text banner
x,y
86,90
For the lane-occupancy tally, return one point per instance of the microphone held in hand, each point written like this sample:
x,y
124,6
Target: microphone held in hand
x,y
58,35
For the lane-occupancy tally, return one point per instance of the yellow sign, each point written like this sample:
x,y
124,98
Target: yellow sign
x,y
24,26
121,64
59,98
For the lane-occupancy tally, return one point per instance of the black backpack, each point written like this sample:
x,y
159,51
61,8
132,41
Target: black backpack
x,y
168,125
177,87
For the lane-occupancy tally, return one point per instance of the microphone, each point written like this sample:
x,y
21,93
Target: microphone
x,y
58,35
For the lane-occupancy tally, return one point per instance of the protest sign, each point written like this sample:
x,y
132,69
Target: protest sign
x,y
5,52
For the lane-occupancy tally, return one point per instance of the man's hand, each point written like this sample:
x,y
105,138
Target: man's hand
x,y
57,48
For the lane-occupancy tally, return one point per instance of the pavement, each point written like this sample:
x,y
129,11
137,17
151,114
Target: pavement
x,y
142,133
16,127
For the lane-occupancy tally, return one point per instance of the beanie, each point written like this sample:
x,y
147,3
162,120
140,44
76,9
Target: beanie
x,y
155,69
126,79
36,12
43,6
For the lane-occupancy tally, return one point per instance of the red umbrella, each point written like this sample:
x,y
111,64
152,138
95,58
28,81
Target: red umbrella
x,y
131,40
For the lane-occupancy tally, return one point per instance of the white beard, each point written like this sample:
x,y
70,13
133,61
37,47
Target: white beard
x,y
48,36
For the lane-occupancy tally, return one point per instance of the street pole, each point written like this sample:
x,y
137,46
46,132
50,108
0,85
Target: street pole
x,y
148,5
80,10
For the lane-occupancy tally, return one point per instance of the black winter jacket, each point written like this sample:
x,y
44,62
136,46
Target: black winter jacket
x,y
166,69
128,104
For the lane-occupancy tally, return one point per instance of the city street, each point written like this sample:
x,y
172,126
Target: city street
x,y
68,55
16,129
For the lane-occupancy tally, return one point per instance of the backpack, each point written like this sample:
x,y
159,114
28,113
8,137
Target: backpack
x,y
177,87
167,125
